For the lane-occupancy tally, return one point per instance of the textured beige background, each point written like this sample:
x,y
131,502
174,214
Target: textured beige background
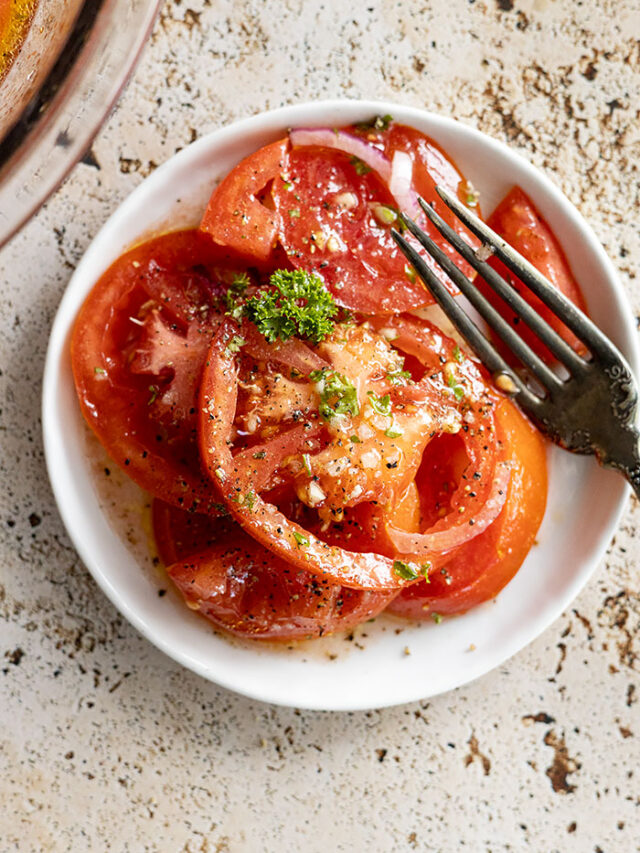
x,y
107,745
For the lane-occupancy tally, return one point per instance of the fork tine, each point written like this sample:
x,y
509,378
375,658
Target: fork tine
x,y
488,313
558,346
569,313
485,350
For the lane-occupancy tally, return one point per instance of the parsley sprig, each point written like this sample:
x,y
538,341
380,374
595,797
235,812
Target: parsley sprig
x,y
296,303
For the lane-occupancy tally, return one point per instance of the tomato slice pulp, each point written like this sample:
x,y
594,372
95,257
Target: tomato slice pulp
x,y
137,352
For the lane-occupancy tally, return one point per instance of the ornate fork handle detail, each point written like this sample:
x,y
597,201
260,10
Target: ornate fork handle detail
x,y
626,459
623,392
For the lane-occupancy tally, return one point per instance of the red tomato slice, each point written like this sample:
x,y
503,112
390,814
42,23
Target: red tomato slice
x,y
477,571
478,491
261,462
517,220
335,220
236,216
292,354
179,533
243,589
137,351
431,167
476,503
291,541
329,226
263,520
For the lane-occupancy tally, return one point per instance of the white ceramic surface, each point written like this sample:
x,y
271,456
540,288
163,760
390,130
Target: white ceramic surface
x,y
584,504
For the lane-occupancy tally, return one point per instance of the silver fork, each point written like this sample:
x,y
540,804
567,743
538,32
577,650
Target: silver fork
x,y
593,409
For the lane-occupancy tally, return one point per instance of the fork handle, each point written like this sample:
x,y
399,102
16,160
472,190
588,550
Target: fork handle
x,y
626,458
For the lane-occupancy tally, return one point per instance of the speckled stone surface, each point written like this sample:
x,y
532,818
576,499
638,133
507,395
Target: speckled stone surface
x,y
105,744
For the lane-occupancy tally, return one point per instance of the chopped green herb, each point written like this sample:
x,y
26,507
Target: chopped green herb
x,y
287,183
360,166
394,432
437,618
400,225
301,539
306,461
294,213
407,571
355,439
398,376
99,370
452,382
375,123
458,390
234,293
381,405
259,454
297,303
425,568
248,499
235,344
338,395
154,393
240,283
235,308
410,272
457,354
473,196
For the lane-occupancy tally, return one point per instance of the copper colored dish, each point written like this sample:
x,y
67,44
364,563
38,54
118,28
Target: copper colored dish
x,y
72,65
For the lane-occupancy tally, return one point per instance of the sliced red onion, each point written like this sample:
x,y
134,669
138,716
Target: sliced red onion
x,y
401,184
443,541
329,138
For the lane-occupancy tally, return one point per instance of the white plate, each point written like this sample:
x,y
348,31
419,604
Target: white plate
x,y
372,670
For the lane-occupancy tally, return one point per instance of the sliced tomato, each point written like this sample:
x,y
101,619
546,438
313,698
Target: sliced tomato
x,y
364,527
237,216
260,463
477,503
519,223
263,520
244,589
432,167
179,533
137,351
292,354
332,223
481,481
336,213
478,570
